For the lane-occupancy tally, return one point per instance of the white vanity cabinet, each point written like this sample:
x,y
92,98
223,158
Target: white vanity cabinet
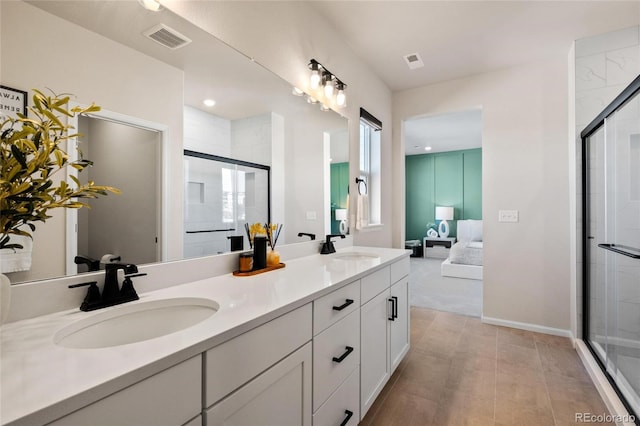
x,y
262,376
171,397
336,357
384,336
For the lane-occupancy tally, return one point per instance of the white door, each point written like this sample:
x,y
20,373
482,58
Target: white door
x,y
399,333
374,353
279,396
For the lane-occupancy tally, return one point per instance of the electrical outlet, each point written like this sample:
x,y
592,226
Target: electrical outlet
x,y
311,215
508,216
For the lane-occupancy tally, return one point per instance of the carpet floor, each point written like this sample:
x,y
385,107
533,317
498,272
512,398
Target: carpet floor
x,y
429,289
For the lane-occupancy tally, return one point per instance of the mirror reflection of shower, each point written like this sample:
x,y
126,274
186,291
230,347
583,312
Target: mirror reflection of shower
x,y
221,195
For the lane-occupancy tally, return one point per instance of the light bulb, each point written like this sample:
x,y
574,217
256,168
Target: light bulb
x,y
314,80
341,98
328,86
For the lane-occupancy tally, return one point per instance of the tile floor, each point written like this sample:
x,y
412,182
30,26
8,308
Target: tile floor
x,y
462,372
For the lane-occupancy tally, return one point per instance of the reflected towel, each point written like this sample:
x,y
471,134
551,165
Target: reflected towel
x,y
362,211
19,259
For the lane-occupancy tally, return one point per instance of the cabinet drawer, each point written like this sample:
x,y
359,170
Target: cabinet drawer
x,y
335,306
373,284
399,269
237,361
343,401
171,397
342,342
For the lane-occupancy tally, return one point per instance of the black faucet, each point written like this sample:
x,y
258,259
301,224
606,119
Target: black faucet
x,y
327,247
92,264
307,234
112,294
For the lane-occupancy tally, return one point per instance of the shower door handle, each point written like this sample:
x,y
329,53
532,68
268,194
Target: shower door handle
x,y
621,249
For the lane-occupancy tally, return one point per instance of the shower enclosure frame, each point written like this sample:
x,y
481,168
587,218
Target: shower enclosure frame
x,y
628,93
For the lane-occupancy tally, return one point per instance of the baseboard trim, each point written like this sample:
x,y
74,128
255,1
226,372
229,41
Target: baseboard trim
x,y
606,391
529,327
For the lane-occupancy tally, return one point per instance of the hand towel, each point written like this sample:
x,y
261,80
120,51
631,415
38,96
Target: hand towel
x,y
19,259
362,211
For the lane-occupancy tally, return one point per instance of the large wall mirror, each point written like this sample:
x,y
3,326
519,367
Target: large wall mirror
x,y
152,99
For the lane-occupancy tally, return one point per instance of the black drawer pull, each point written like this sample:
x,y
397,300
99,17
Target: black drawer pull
x,y
394,314
344,305
346,353
347,417
393,309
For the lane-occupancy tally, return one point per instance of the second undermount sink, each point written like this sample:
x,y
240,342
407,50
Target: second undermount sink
x,y
135,322
355,256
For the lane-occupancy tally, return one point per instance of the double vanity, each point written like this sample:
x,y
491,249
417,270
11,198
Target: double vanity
x,y
312,343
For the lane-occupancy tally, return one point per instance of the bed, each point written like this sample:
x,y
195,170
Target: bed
x,y
465,256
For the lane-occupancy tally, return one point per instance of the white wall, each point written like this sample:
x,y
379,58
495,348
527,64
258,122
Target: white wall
x,y
43,51
525,157
302,34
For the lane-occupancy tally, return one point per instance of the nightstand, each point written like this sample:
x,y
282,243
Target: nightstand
x,y
437,247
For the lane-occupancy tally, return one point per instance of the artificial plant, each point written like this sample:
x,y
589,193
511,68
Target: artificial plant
x,y
31,153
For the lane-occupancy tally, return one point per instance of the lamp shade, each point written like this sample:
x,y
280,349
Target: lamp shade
x,y
341,214
444,213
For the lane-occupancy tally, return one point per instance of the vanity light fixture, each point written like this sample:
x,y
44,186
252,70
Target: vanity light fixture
x,y
209,102
326,86
311,100
314,79
323,107
341,98
152,5
297,92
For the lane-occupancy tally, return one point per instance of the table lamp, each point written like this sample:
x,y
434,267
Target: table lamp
x,y
444,214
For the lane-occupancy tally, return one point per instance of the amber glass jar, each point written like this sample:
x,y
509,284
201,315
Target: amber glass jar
x,y
246,261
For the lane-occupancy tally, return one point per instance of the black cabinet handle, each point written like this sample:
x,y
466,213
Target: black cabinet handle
x,y
344,305
346,353
347,417
394,313
392,318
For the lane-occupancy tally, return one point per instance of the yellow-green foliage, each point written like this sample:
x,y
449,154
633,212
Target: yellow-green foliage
x,y
31,152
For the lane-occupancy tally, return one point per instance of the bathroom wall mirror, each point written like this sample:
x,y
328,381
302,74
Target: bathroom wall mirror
x,y
106,52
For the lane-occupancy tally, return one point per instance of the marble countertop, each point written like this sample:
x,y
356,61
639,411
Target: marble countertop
x,y
41,381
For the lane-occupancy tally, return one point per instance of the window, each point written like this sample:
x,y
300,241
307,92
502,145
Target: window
x,y
370,129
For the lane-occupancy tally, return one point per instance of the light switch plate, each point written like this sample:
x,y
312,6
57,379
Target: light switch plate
x,y
508,216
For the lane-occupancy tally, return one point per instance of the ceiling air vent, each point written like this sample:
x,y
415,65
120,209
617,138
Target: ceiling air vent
x,y
166,36
414,61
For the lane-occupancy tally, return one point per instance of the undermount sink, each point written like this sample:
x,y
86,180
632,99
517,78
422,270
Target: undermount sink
x,y
135,322
355,256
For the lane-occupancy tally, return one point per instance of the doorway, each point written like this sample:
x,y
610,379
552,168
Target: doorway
x,y
128,226
443,183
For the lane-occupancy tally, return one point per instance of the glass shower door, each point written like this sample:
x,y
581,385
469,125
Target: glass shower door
x,y
613,247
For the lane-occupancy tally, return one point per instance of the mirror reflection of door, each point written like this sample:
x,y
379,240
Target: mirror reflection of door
x,y
125,225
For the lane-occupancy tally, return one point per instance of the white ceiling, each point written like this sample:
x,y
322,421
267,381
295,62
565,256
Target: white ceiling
x,y
461,38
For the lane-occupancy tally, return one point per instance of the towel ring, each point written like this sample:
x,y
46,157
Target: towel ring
x,y
358,181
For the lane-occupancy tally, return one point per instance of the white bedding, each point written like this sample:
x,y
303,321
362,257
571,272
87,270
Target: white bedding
x,y
466,253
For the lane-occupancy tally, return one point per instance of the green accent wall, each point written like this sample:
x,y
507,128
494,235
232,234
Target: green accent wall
x,y
452,179
339,191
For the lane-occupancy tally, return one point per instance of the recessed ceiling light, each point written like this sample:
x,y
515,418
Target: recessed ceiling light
x,y
427,148
209,102
152,5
